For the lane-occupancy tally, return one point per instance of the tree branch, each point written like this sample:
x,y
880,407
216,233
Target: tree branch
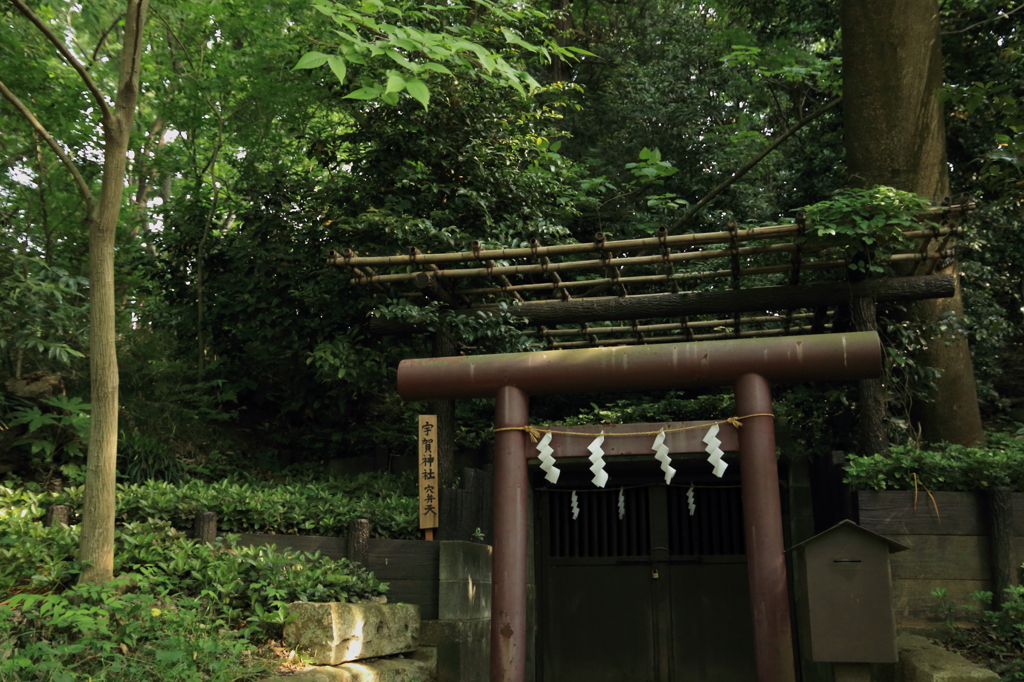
x,y
776,143
997,17
66,54
131,61
83,187
103,36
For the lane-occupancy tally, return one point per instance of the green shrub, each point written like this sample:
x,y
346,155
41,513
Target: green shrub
x,y
179,610
945,467
240,580
237,580
865,221
297,505
143,458
993,638
100,632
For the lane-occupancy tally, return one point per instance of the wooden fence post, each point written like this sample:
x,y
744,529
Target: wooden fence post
x,y
57,515
1000,513
359,541
205,527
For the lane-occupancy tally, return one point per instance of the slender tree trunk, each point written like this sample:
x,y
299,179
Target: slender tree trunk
x,y
44,219
96,548
895,135
200,306
96,544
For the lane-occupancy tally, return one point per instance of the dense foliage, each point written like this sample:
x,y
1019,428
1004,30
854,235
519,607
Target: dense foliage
x,y
179,610
633,113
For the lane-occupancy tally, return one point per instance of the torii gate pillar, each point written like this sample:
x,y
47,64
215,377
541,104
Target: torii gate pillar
x,y
762,525
511,525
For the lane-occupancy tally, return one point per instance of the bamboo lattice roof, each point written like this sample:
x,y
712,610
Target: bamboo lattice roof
x,y
595,293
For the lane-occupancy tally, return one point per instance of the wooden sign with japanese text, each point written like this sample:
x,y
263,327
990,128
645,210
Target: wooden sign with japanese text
x,y
427,437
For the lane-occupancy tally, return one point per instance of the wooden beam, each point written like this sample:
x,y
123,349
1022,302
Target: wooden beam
x,y
350,258
581,310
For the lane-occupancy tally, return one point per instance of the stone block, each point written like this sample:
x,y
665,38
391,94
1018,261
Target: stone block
x,y
922,661
377,670
426,654
337,632
463,648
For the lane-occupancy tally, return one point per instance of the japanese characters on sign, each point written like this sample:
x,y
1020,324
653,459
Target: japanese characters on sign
x,y
427,437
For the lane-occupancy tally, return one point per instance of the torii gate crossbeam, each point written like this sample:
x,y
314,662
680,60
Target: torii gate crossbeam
x,y
748,364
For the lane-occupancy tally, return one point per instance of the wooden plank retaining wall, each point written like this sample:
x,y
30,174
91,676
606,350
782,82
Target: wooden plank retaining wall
x,y
949,549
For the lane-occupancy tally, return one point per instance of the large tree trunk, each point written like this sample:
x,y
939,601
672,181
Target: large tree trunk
x,y
895,135
96,548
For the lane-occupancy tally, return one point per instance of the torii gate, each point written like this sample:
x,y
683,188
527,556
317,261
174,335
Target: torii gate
x,y
750,364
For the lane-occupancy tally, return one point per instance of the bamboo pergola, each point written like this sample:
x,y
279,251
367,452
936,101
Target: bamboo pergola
x,y
738,282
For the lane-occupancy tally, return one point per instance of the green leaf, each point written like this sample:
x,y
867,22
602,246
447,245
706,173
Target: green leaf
x,y
337,65
401,60
371,92
395,82
311,60
419,90
513,39
432,66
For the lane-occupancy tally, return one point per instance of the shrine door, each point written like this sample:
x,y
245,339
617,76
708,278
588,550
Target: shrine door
x,y
638,589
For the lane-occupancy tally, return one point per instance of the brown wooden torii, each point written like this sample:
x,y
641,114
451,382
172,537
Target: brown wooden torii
x,y
749,364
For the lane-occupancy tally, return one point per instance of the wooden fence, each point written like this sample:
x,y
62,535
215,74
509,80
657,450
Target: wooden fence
x,y
951,546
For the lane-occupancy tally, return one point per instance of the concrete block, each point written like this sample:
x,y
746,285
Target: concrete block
x,y
464,590
377,670
463,648
922,661
459,559
463,599
337,632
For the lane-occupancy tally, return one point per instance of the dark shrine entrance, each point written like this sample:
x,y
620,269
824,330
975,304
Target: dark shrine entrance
x,y
636,587
750,365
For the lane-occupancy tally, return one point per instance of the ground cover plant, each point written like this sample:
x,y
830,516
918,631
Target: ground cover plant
x,y
993,638
294,505
178,609
943,466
